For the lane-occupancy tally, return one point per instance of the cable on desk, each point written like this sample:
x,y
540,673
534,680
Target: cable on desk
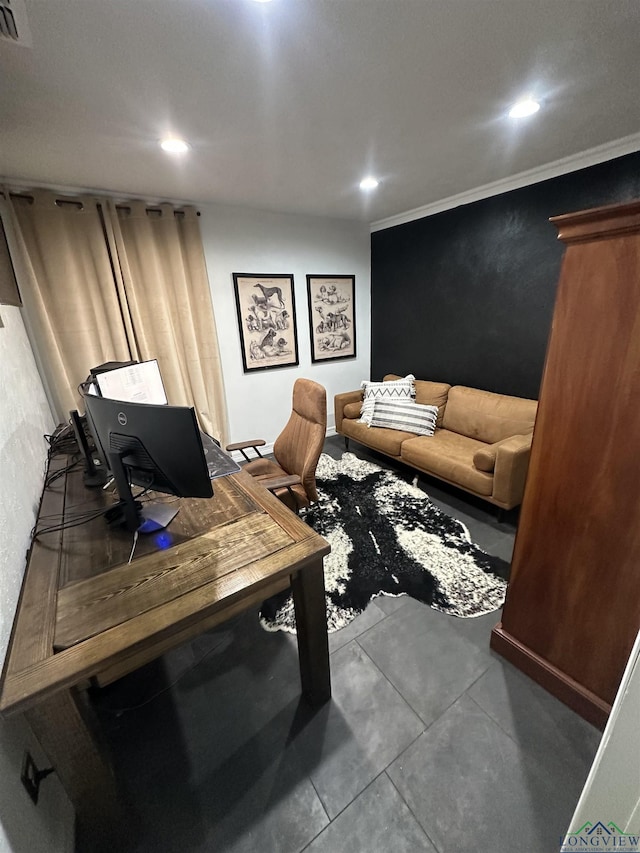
x,y
74,519
133,547
62,440
158,499
61,517
67,512
75,522
51,478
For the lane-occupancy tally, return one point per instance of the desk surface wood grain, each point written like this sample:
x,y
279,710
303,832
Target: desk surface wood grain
x,y
84,610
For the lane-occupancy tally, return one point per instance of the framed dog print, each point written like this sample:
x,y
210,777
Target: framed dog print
x,y
332,313
267,320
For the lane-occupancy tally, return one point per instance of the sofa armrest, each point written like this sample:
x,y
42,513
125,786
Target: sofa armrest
x,y
340,401
510,472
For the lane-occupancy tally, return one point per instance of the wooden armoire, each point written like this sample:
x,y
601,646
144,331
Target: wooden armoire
x,y
572,609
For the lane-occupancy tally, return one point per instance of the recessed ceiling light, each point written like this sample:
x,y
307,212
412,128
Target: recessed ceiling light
x,y
369,183
523,108
174,146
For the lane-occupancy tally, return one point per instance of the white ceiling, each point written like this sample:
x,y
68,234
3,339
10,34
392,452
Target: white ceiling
x,y
288,104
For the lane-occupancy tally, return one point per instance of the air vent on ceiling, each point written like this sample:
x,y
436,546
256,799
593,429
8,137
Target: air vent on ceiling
x,y
13,23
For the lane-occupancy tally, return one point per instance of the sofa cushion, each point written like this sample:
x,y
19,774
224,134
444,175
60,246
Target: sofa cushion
x,y
404,415
352,410
385,440
450,456
485,458
401,388
429,394
486,416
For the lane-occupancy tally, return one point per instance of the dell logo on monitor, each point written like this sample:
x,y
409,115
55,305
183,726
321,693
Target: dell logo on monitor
x,y
122,418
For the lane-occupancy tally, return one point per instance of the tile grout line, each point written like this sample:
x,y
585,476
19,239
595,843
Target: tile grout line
x,y
342,810
366,788
415,817
324,809
427,726
394,688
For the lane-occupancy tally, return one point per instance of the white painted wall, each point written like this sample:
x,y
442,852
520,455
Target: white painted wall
x,y
24,419
612,789
251,241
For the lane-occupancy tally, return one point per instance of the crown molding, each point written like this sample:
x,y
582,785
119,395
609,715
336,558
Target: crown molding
x,y
591,157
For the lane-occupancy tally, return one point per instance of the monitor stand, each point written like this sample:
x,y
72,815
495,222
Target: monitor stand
x,y
130,512
93,477
155,516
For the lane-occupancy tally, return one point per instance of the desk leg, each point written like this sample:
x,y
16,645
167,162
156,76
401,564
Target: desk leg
x,y
311,624
59,724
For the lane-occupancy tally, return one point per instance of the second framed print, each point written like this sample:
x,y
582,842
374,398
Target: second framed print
x,y
332,316
267,320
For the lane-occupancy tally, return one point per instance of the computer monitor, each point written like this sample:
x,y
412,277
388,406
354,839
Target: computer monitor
x,y
90,386
153,446
136,382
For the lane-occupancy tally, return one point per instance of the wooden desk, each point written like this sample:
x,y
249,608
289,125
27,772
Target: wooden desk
x,y
84,612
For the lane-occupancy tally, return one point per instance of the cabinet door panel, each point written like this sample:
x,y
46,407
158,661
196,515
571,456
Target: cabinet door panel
x,y
574,594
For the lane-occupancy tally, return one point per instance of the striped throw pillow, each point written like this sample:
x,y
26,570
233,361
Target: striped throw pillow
x,y
405,415
395,389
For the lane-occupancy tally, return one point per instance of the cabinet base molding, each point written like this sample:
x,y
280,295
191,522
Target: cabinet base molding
x,y
558,683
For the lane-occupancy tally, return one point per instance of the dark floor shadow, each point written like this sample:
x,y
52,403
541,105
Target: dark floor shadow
x,y
202,759
140,727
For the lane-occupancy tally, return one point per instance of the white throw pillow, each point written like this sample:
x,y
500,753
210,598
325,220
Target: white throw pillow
x,y
404,415
395,389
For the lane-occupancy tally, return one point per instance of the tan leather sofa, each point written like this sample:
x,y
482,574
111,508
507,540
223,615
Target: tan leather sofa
x,y
481,443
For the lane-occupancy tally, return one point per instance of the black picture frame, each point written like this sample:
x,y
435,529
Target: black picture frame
x,y
266,308
332,316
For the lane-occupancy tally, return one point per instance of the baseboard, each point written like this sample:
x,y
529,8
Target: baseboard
x,y
558,683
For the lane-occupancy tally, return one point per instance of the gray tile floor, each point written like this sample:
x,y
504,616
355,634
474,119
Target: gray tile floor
x,y
430,743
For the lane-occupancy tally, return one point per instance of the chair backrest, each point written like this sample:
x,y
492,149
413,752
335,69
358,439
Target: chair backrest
x,y
298,447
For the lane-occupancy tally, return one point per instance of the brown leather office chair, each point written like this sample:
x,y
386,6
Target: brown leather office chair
x,y
292,476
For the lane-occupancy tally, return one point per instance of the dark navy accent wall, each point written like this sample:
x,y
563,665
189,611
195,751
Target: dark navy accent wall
x,y
466,296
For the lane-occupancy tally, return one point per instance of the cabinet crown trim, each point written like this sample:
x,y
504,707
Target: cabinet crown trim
x,y
599,222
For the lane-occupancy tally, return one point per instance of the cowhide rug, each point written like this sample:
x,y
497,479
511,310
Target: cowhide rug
x,y
387,538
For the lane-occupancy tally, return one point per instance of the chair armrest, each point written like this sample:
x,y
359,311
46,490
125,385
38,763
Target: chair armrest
x,y
254,443
240,445
510,473
274,483
340,401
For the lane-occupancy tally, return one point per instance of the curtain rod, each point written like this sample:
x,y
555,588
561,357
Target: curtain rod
x,y
124,204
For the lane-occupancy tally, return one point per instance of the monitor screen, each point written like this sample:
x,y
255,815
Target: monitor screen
x,y
138,382
153,446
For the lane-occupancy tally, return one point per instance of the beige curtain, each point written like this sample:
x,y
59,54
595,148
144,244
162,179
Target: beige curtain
x,y
106,282
64,270
163,278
